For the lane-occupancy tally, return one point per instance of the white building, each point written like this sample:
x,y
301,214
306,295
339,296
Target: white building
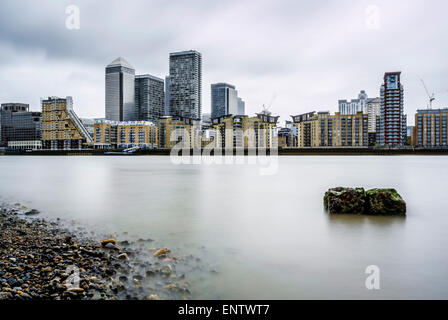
x,y
373,110
355,105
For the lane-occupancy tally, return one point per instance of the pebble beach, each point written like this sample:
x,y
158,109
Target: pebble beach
x,y
42,259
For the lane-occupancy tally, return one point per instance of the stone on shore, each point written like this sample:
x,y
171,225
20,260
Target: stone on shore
x,y
32,212
358,201
161,252
123,257
43,260
107,241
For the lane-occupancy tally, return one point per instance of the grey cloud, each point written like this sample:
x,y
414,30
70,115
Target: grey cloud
x,y
310,53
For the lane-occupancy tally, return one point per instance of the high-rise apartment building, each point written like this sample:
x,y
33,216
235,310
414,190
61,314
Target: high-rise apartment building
x,y
61,127
391,130
431,128
373,111
120,91
149,98
185,84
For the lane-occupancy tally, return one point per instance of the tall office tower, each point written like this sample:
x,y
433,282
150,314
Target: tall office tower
x,y
241,107
149,98
355,105
186,84
392,120
224,100
167,95
373,110
120,92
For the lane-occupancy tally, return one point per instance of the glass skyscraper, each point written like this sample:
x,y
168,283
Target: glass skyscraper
x,y
224,100
120,91
149,98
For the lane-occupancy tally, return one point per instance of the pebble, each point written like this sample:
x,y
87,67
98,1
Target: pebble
x,y
161,252
43,260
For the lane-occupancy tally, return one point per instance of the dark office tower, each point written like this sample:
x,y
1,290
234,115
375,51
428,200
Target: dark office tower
x,y
120,101
224,100
392,121
167,95
186,84
149,98
19,127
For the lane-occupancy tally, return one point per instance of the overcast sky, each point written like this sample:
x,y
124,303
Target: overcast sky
x,y
300,56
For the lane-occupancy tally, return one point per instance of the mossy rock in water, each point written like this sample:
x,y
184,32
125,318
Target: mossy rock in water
x,y
345,200
385,202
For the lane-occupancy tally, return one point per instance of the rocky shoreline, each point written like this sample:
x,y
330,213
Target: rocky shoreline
x,y
43,260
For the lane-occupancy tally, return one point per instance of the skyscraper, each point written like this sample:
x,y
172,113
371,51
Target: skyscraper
x,y
241,107
391,129
120,92
167,95
186,84
224,100
149,98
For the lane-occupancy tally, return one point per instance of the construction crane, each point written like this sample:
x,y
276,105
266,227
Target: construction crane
x,y
431,96
266,108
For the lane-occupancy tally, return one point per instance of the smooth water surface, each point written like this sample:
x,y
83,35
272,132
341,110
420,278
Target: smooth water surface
x,y
257,236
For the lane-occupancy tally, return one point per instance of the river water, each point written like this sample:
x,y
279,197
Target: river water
x,y
257,236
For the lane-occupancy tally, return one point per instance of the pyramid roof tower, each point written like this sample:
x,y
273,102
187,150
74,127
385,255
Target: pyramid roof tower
x,y
120,61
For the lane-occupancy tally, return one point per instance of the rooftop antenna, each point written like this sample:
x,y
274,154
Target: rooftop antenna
x,y
431,96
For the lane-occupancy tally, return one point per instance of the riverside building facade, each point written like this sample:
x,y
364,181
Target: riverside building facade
x,y
19,127
179,131
241,131
392,124
325,130
430,130
120,91
61,127
125,134
149,98
185,79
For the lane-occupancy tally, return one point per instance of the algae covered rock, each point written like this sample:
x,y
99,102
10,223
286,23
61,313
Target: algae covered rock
x,y
345,200
358,201
385,202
